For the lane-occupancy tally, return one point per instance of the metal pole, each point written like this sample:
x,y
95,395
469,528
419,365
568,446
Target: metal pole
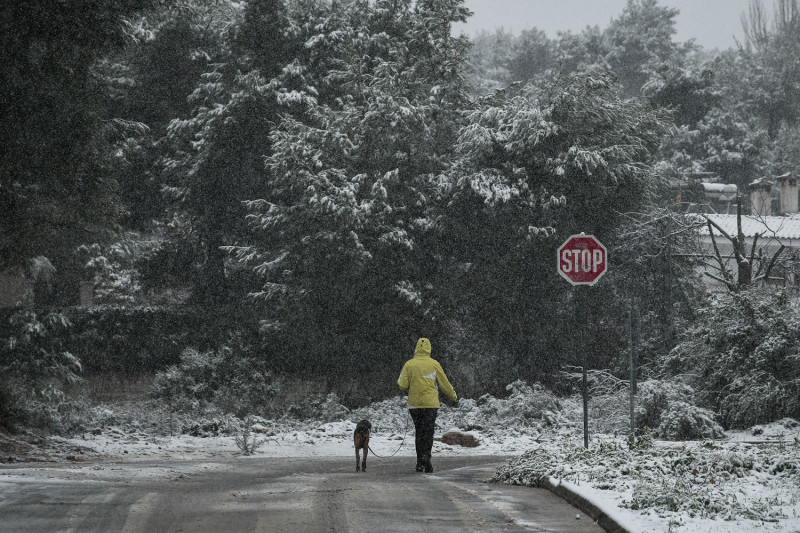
x,y
585,404
580,312
632,340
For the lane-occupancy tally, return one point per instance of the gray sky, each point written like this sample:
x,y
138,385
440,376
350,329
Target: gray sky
x,y
712,23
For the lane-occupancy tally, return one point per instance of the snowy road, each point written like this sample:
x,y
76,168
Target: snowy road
x,y
273,494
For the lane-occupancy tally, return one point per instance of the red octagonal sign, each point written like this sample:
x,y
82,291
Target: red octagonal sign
x,y
582,259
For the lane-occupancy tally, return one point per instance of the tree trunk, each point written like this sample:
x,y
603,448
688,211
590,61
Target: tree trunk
x,y
211,287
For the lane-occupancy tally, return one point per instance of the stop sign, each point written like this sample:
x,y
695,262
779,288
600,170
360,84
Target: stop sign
x,y
582,259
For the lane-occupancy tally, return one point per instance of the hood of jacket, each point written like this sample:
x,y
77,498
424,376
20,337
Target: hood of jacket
x,y
423,348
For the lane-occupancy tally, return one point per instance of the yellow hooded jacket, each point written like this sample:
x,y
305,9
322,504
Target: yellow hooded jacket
x,y
420,377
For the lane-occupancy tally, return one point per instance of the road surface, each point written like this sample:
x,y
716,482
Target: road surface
x,y
245,494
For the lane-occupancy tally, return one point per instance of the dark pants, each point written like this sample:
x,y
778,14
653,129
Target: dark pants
x,y
424,424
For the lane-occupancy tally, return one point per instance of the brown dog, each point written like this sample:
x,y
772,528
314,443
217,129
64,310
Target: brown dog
x,y
361,442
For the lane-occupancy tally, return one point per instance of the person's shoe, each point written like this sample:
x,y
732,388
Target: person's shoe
x,y
426,463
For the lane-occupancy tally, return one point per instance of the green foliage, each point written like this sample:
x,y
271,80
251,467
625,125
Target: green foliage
x,y
724,147
636,45
333,149
531,167
234,380
687,91
34,365
640,41
743,357
143,339
487,64
684,421
215,159
767,73
339,237
58,161
702,481
533,54
112,269
573,143
318,407
655,270
192,384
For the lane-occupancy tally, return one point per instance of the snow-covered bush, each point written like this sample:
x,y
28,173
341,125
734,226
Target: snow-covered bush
x,y
668,408
191,384
743,357
246,438
145,339
326,408
683,421
35,368
112,268
231,380
526,406
698,481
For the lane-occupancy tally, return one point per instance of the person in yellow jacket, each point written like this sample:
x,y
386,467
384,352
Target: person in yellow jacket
x,y
421,377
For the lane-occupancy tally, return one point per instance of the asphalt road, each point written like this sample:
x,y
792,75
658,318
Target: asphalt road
x,y
245,494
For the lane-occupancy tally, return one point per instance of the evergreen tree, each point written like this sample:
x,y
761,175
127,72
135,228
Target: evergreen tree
x,y
487,66
340,235
640,40
217,152
534,54
153,79
59,148
767,74
531,168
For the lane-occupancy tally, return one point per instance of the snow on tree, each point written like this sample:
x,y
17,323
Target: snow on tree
x,y
742,356
532,166
216,159
337,237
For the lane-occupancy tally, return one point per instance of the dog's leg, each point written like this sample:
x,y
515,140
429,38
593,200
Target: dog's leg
x,y
358,459
364,461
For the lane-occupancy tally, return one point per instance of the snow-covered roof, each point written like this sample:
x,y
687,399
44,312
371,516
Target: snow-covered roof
x,y
787,227
720,187
721,191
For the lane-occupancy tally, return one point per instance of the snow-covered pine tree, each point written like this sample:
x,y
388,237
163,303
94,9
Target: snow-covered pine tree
x,y
216,157
339,236
532,166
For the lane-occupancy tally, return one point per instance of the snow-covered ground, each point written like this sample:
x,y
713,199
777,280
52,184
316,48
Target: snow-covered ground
x,y
747,481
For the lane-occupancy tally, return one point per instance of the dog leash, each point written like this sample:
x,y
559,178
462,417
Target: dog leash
x,y
408,417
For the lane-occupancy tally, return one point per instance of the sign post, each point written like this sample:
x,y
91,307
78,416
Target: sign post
x,y
582,260
634,325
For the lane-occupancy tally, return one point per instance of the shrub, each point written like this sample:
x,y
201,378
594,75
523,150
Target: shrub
x,y
246,438
683,421
35,368
743,357
527,405
319,407
233,380
132,340
668,408
191,384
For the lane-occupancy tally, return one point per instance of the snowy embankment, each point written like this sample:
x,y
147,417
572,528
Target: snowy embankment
x,y
713,486
749,480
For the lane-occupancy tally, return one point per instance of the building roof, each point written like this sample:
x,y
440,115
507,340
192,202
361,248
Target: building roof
x,y
776,227
720,191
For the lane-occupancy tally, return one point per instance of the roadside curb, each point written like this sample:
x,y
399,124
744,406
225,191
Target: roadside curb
x,y
588,508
